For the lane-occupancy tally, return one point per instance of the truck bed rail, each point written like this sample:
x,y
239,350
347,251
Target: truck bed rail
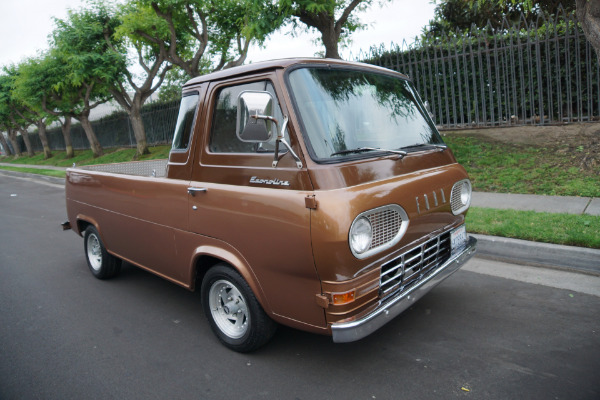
x,y
156,168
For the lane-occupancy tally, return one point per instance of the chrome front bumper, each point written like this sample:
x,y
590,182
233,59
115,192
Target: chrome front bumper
x,y
354,330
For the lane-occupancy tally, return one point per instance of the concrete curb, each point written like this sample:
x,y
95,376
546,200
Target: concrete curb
x,y
547,255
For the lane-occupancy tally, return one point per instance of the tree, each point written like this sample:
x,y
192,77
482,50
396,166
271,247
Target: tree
x,y
35,86
32,82
16,118
120,30
202,36
462,15
588,15
4,143
332,18
5,112
89,67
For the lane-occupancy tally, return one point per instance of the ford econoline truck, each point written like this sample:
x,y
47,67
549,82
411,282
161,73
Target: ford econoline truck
x,y
312,193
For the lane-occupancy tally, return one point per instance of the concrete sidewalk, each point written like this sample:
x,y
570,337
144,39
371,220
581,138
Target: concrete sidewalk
x,y
539,203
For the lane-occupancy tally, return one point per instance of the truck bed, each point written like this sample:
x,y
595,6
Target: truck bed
x,y
155,168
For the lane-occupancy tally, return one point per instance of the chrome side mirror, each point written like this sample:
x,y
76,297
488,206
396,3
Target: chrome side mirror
x,y
255,122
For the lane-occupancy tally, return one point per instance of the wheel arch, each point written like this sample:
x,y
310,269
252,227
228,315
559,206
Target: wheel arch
x,y
206,257
83,221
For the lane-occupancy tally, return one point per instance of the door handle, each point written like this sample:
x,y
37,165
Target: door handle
x,y
194,190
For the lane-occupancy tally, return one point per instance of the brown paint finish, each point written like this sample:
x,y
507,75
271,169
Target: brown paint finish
x,y
284,229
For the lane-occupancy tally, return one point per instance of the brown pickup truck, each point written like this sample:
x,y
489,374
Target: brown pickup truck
x,y
316,194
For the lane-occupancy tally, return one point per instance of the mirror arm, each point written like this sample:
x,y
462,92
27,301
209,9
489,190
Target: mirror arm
x,y
267,117
281,138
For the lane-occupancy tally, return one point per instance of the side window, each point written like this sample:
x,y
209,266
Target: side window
x,y
185,121
223,138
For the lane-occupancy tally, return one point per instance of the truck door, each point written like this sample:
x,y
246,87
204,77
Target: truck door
x,y
254,210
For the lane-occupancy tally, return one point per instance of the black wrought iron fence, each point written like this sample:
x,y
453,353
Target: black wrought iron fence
x,y
115,130
543,73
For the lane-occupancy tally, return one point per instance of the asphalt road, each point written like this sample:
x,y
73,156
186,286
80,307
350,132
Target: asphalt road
x,y
499,331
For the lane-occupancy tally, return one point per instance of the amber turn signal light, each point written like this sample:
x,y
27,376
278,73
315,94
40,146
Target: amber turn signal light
x,y
343,298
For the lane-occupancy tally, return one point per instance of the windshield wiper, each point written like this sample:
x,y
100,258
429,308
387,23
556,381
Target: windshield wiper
x,y
439,146
362,149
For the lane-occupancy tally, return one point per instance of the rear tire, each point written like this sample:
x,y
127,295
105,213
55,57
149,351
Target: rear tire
x,y
235,315
102,264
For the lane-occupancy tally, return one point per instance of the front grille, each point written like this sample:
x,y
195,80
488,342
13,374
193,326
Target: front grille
x,y
385,224
388,224
403,272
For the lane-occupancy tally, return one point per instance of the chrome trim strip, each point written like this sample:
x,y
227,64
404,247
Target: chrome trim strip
x,y
344,332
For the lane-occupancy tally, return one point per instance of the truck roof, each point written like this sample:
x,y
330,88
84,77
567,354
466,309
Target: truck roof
x,y
279,64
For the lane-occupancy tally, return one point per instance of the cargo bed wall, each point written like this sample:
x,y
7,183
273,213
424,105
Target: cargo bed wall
x,y
156,168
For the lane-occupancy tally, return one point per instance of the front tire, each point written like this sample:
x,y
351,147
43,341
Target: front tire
x,y
235,315
102,264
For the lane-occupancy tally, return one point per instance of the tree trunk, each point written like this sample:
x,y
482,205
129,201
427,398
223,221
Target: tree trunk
x,y
91,136
28,146
330,40
66,131
44,139
12,136
5,145
139,131
588,15
325,24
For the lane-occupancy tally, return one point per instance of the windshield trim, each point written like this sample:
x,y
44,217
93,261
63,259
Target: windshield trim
x,y
353,156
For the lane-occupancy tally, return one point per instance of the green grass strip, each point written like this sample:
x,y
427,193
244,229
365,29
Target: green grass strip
x,y
39,171
506,168
567,229
86,157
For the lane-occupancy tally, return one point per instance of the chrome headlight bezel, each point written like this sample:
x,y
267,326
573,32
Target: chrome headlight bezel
x,y
388,225
361,235
460,197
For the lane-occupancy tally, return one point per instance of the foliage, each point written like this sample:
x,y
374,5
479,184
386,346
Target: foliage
x,y
466,16
5,101
171,87
15,115
200,35
90,66
566,229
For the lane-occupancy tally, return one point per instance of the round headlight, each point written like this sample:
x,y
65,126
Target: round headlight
x,y
465,193
361,235
460,198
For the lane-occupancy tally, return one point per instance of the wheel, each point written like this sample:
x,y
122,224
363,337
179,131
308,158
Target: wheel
x,y
102,264
235,315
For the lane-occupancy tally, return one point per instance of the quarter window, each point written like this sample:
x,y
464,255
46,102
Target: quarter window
x,y
185,121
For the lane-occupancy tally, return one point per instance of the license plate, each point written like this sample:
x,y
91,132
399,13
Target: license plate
x,y
458,238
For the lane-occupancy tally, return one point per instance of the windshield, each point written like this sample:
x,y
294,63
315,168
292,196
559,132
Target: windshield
x,y
343,109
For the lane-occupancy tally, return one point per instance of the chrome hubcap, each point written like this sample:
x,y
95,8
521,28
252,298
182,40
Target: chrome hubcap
x,y
228,309
94,252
